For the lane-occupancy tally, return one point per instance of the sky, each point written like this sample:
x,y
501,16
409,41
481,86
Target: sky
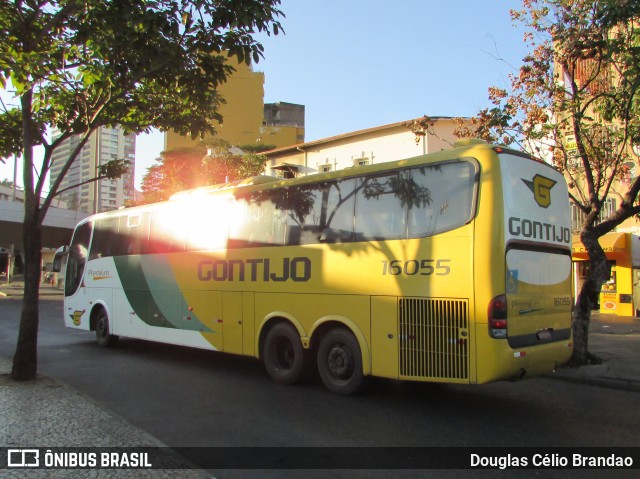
x,y
359,64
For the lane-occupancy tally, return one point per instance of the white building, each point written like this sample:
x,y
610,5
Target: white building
x,y
104,145
364,147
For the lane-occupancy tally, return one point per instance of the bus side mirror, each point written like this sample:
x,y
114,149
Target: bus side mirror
x,y
59,257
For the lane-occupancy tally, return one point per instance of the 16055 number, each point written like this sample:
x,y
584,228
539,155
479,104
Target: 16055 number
x,y
412,267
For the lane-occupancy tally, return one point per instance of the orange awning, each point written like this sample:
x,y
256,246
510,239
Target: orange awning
x,y
613,244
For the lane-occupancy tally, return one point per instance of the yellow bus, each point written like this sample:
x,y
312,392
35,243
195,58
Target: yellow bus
x,y
449,267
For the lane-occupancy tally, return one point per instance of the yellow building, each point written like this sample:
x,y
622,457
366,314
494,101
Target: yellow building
x,y
244,112
621,294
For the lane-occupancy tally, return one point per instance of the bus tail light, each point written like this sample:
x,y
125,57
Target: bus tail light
x,y
497,314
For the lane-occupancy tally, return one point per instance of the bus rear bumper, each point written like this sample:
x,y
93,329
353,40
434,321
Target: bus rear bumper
x,y
513,365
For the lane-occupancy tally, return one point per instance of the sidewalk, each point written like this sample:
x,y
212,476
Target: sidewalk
x,y
47,413
616,340
16,288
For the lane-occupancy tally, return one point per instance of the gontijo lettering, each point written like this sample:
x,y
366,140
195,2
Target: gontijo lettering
x,y
538,230
257,269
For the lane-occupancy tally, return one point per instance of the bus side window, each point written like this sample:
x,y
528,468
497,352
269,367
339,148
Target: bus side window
x,y
133,237
321,213
263,219
167,232
451,194
381,207
105,236
304,213
209,228
77,258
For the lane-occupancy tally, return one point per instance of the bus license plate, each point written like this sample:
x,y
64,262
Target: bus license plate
x,y
544,335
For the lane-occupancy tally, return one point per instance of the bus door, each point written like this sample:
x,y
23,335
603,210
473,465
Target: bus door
x,y
75,303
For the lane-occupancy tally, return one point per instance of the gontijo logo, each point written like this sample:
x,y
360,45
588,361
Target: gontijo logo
x,y
76,317
541,188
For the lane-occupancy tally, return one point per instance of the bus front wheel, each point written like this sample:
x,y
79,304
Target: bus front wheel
x,y
103,336
283,354
340,362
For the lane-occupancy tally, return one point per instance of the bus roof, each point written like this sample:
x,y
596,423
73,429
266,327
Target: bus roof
x,y
461,148
255,180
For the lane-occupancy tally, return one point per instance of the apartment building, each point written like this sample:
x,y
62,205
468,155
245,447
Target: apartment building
x,y
104,145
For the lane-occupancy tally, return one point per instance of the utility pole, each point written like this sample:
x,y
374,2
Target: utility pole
x,y
15,177
96,185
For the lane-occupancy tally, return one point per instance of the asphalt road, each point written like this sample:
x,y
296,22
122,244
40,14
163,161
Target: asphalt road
x,y
190,398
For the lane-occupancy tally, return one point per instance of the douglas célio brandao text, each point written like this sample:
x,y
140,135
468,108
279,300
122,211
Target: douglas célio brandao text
x,y
550,460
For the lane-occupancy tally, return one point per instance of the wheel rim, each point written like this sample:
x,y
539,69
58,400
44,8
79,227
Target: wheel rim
x,y
340,361
284,354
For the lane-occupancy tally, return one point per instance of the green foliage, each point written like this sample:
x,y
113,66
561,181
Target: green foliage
x,y
11,133
78,65
256,148
176,170
113,169
226,167
575,100
138,64
187,168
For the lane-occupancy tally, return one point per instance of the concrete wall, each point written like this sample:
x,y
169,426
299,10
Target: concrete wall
x,y
57,227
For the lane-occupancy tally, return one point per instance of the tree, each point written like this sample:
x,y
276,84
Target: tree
x,y
187,168
224,163
176,170
78,65
574,102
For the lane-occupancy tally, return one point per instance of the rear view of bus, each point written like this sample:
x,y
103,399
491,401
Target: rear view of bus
x,y
529,301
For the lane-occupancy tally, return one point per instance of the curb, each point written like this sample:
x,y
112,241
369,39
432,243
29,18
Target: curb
x,y
609,383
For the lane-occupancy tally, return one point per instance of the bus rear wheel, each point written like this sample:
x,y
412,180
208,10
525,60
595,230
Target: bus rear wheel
x,y
283,354
340,362
103,336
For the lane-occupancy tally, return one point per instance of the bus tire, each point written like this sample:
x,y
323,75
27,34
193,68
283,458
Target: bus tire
x,y
340,362
104,338
283,354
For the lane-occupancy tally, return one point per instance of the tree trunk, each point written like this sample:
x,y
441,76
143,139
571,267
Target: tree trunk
x,y
599,272
25,359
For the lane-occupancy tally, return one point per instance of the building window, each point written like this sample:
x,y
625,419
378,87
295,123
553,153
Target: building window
x,y
578,216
